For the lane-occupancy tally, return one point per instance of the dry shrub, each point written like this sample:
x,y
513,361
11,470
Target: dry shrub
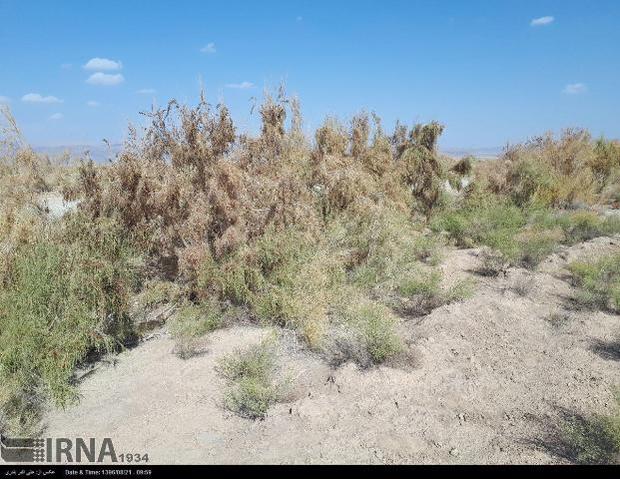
x,y
420,166
246,220
171,189
464,166
605,161
562,172
362,331
350,171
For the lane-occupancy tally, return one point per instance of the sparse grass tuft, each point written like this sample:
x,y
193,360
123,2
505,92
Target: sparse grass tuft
x,y
460,291
191,322
558,319
364,332
251,374
425,293
523,285
427,285
592,440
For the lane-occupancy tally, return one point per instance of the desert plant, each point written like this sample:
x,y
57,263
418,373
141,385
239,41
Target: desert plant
x,y
598,282
425,293
593,439
420,166
190,322
581,226
364,331
66,295
325,238
251,374
559,172
523,285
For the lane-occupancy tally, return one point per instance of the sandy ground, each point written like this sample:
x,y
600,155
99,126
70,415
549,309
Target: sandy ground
x,y
489,380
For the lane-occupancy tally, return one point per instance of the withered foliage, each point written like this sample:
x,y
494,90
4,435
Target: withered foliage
x,y
558,172
190,190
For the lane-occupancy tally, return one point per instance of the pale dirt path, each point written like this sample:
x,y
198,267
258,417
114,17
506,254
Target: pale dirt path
x,y
491,377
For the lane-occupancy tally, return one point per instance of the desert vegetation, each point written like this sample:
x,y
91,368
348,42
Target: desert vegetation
x,y
253,385
337,237
598,282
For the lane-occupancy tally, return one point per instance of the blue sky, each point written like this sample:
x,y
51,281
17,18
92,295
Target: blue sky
x,y
492,71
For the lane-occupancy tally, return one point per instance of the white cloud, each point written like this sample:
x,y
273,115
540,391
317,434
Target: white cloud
x,y
241,86
93,103
542,21
37,98
575,89
103,64
146,91
209,48
105,79
4,100
57,116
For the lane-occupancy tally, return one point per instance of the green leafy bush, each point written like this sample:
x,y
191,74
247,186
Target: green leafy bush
x,y
66,295
599,282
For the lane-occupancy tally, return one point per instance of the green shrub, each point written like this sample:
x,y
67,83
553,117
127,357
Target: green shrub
x,y
532,182
365,332
427,285
378,332
533,246
599,282
520,236
252,383
592,440
251,398
66,296
235,278
585,225
492,222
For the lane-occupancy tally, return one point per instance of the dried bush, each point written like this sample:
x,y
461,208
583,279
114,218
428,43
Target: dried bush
x,y
420,166
559,172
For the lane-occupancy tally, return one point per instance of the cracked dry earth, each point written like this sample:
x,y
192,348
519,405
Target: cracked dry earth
x,y
489,381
